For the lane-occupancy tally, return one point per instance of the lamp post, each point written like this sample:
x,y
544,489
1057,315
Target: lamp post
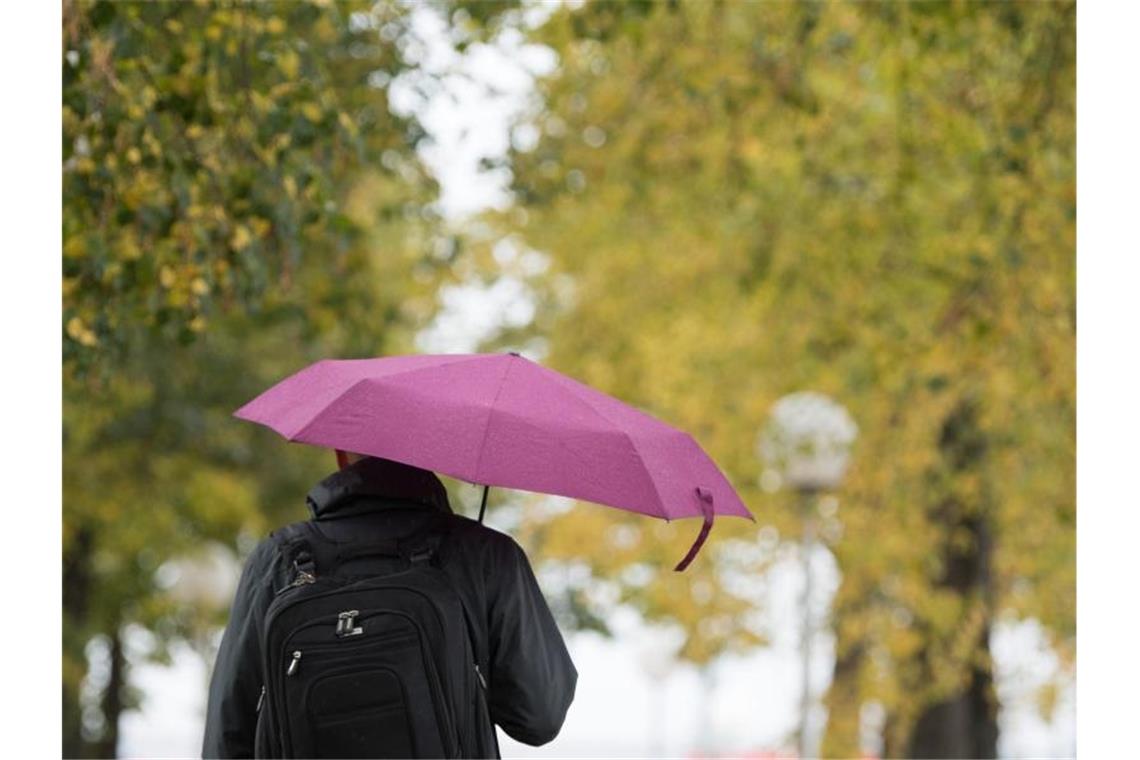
x,y
805,446
658,654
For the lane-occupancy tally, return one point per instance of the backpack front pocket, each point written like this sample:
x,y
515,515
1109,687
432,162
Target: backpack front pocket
x,y
351,714
373,695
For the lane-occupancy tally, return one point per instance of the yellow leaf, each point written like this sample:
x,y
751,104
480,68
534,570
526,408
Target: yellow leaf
x,y
260,226
324,30
312,112
241,237
261,103
129,248
74,247
281,90
289,63
75,327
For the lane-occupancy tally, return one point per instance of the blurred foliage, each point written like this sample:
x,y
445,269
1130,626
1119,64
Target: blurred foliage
x,y
207,148
238,201
876,201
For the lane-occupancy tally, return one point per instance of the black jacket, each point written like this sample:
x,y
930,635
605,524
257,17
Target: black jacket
x,y
531,679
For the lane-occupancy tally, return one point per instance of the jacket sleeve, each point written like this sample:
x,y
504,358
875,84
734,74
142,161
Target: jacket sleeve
x,y
532,678
235,686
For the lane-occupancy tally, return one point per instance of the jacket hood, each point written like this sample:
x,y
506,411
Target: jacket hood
x,y
380,478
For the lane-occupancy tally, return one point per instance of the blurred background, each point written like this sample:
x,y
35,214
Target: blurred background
x,y
833,241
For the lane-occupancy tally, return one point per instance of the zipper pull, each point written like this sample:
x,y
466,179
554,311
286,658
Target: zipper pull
x,y
294,663
260,699
302,579
303,560
479,674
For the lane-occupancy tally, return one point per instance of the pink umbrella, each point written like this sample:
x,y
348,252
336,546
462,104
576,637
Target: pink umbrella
x,y
502,420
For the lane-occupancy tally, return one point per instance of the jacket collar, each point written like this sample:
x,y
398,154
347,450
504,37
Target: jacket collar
x,y
381,478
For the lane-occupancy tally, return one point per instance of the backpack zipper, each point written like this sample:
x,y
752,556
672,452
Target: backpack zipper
x,y
294,663
302,579
479,675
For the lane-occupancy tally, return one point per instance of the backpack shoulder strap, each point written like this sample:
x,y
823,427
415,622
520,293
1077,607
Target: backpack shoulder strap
x,y
479,643
442,553
294,544
307,552
287,535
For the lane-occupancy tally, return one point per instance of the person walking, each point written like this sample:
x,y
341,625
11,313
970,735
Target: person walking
x,y
386,626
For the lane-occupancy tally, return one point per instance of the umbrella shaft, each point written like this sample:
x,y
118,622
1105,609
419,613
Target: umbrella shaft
x,y
483,506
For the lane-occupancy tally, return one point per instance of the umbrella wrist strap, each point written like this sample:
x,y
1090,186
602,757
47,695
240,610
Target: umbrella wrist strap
x,y
704,497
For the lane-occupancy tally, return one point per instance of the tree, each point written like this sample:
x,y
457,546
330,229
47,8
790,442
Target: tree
x,y
877,201
238,201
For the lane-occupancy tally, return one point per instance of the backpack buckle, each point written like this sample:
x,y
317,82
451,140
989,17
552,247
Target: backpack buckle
x,y
346,624
418,549
420,555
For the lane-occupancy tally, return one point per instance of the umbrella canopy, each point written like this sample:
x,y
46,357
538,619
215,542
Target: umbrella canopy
x,y
501,420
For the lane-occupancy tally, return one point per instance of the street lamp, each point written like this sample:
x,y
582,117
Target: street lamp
x,y
806,446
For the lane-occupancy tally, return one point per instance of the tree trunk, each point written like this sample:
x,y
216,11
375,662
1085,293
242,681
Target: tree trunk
x,y
72,723
78,630
112,700
965,724
76,598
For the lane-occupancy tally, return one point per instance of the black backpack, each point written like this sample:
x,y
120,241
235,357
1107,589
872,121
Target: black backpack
x,y
368,653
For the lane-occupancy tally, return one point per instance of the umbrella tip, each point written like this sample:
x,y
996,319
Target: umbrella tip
x,y
514,353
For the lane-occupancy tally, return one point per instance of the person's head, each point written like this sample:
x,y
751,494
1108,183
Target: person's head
x,y
346,458
380,477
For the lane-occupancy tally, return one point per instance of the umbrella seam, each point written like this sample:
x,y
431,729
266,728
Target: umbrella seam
x,y
644,467
487,427
576,386
305,428
308,423
636,451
